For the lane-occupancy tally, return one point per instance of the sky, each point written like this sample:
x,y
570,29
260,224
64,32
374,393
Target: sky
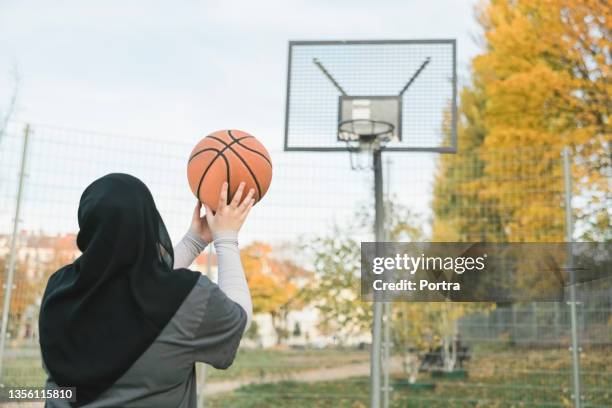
x,y
174,71
178,69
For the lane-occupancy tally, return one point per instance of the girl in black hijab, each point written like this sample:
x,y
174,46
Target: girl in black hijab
x,y
125,323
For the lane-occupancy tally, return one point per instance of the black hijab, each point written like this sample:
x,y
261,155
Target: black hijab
x,y
100,313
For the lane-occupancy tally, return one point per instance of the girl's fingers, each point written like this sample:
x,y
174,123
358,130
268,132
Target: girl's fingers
x,y
246,211
246,200
222,197
209,215
197,211
237,196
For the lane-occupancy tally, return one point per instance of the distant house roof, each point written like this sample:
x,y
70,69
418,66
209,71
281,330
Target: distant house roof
x,y
31,239
202,260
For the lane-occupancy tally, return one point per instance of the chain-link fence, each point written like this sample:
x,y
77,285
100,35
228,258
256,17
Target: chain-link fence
x,y
310,347
511,354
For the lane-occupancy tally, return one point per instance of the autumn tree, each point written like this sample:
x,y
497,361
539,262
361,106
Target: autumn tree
x,y
37,258
540,84
23,295
461,212
275,285
545,79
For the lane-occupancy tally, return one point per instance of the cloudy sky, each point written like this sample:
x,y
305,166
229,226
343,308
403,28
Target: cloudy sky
x,y
174,71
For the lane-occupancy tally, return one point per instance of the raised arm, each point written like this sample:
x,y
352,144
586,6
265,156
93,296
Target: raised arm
x,y
195,241
225,224
232,280
188,248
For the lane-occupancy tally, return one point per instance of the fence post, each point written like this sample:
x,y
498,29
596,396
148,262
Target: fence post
x,y
534,323
13,253
203,367
569,232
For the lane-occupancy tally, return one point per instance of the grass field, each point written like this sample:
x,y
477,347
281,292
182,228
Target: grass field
x,y
498,377
503,378
24,368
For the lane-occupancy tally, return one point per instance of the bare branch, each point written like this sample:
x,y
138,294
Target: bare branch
x,y
10,109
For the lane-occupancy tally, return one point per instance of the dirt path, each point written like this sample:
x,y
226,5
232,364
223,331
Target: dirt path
x,y
308,376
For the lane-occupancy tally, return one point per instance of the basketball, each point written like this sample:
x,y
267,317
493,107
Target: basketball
x,y
228,155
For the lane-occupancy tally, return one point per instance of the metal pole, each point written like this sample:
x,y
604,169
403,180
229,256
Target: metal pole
x,y
377,305
386,367
569,232
13,254
386,353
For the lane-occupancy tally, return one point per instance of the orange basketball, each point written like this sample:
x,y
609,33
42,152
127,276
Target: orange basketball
x,y
228,155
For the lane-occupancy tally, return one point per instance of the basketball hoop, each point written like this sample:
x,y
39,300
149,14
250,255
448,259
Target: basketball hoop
x,y
365,130
369,134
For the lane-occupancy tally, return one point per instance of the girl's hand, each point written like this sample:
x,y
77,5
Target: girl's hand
x,y
230,217
199,225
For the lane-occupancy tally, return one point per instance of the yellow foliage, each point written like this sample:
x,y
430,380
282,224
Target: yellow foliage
x,y
541,83
274,283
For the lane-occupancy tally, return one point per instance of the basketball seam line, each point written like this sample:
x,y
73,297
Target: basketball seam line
x,y
227,167
208,149
229,146
249,148
226,146
219,153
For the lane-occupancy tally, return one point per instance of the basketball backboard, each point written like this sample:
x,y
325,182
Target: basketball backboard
x,y
408,86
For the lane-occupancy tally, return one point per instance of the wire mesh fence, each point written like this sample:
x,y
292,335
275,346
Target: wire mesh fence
x,y
311,346
519,353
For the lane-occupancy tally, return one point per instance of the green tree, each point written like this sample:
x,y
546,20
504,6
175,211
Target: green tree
x,y
335,288
335,291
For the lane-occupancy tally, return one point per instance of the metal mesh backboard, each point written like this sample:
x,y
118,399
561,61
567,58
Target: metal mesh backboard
x,y
411,83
